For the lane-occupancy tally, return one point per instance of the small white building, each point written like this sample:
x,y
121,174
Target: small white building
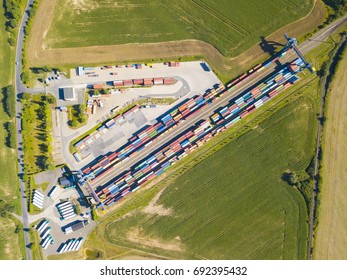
x,y
79,71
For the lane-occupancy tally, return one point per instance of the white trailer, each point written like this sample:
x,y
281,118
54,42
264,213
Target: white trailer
x,y
47,240
75,245
67,212
38,205
38,198
69,216
67,245
72,245
62,248
42,224
38,201
44,234
64,207
63,203
45,247
53,191
43,228
36,192
79,244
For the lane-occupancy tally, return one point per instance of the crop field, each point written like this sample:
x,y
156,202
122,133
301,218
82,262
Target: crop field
x,y
9,240
331,242
216,30
230,25
233,205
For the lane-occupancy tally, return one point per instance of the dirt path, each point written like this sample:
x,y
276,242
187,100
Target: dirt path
x,y
39,55
331,240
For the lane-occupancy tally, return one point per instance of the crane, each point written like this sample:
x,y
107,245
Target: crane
x,y
291,44
84,181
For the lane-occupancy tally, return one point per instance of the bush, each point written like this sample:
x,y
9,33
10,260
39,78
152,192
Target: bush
x,y
11,135
25,77
11,41
26,96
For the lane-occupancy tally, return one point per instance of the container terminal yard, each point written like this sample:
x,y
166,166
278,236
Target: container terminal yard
x,y
184,128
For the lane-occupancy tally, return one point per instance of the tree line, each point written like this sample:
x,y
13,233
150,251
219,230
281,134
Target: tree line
x,y
9,106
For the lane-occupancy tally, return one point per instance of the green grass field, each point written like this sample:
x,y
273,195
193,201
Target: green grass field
x,y
234,205
9,239
231,26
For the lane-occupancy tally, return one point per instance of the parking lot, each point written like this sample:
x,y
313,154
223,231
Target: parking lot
x,y
57,225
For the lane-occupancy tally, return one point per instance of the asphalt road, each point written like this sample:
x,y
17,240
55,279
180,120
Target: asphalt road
x,y
126,165
20,88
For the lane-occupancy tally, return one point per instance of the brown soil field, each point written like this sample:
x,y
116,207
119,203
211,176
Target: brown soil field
x,y
39,55
331,239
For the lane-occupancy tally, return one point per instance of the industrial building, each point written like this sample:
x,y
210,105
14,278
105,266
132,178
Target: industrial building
x,y
69,94
65,182
76,226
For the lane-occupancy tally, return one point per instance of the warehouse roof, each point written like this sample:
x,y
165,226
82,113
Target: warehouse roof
x,y
64,182
69,93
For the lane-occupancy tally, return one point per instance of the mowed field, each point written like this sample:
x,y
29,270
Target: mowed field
x,y
331,239
233,205
143,30
9,240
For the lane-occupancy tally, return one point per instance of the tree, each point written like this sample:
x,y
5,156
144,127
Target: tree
x,y
11,135
73,123
9,101
83,118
